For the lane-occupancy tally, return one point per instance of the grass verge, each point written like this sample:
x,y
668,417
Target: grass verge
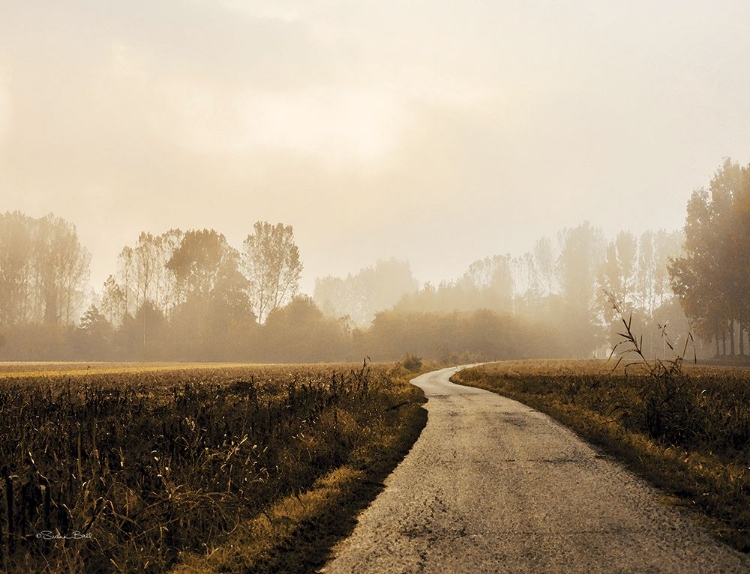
x,y
702,463
298,533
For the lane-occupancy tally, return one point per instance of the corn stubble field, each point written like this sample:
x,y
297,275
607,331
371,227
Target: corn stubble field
x,y
233,468
684,428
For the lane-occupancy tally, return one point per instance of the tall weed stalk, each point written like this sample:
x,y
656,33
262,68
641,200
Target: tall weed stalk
x,y
669,408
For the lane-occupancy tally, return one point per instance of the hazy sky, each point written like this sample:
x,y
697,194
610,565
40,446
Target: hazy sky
x,y
435,131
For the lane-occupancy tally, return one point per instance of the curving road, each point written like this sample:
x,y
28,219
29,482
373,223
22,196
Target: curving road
x,y
494,486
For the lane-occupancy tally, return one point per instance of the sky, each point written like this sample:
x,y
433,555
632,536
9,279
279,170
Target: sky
x,y
438,132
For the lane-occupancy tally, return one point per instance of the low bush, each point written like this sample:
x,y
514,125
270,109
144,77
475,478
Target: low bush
x,y
412,363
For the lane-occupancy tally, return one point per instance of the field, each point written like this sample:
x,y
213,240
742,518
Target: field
x,y
122,468
50,369
687,431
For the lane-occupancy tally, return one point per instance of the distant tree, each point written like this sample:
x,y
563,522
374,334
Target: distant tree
x,y
93,321
333,295
143,335
667,245
490,283
113,305
480,335
17,261
94,335
617,274
544,265
214,309
582,250
43,270
200,262
65,270
144,274
362,295
272,265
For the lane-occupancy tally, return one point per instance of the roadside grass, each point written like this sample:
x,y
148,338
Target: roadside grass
x,y
227,468
689,436
298,533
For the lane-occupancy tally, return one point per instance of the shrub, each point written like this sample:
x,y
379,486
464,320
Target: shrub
x,y
412,363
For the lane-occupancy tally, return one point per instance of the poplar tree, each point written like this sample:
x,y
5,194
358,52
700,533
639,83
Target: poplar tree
x,y
272,266
712,279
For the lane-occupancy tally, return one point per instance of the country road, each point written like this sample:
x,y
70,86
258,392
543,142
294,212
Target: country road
x,y
494,486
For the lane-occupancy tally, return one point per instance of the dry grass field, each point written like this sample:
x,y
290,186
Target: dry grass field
x,y
123,468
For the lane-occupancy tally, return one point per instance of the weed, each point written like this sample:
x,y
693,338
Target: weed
x,y
669,410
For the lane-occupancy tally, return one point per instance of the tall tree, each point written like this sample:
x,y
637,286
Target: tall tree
x,y
713,276
113,305
544,266
272,265
581,252
490,281
16,261
43,270
617,274
200,260
144,273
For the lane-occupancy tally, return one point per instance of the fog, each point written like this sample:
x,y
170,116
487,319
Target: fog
x,y
435,133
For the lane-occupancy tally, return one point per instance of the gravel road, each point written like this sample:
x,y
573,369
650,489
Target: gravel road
x,y
494,486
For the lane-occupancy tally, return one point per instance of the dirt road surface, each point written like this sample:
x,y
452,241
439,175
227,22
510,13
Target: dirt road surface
x,y
494,486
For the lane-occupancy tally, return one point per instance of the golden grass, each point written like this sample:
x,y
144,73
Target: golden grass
x,y
257,541
37,369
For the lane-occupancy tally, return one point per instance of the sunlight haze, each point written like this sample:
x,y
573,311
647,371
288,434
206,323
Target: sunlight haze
x,y
435,132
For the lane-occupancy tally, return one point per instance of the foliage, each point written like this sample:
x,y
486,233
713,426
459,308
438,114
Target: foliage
x,y
43,270
300,330
487,284
713,276
189,295
273,267
136,468
412,363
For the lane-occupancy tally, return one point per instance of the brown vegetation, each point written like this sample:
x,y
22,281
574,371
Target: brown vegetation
x,y
136,471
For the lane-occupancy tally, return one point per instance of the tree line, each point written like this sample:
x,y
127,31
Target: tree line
x,y
692,281
189,295
557,290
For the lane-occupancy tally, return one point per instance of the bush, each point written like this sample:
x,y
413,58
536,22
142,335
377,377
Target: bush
x,y
412,363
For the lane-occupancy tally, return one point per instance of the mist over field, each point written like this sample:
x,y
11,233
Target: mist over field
x,y
431,162
197,194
